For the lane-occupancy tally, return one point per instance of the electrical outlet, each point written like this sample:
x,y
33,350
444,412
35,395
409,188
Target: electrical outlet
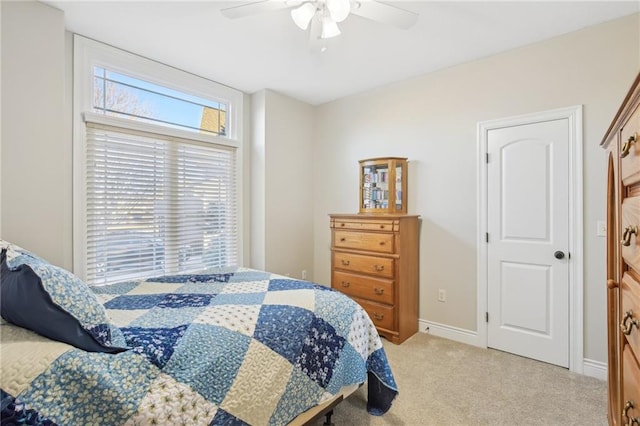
x,y
442,295
601,228
304,274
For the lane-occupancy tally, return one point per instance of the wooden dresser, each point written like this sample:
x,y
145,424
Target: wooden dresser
x,y
375,261
622,142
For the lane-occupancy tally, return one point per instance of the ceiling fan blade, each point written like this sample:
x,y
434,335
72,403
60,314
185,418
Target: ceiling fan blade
x,y
316,44
386,14
254,8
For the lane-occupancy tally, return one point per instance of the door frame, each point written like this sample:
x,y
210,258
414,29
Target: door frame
x,y
576,282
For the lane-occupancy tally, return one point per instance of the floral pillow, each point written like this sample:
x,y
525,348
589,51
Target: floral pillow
x,y
14,250
55,290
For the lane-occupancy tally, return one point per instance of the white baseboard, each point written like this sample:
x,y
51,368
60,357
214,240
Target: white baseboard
x,y
597,369
448,332
591,368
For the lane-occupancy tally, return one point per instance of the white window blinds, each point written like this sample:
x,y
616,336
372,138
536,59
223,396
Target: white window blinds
x,y
157,205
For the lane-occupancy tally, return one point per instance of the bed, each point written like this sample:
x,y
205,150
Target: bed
x,y
234,347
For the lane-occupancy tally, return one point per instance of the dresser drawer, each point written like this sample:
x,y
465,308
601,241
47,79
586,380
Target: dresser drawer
x,y
630,143
381,315
630,296
369,241
372,265
363,287
370,225
629,230
630,389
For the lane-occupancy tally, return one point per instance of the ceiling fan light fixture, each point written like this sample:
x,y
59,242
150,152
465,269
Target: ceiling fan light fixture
x,y
302,15
329,28
339,9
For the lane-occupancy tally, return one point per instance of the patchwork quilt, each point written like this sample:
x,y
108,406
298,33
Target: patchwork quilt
x,y
233,347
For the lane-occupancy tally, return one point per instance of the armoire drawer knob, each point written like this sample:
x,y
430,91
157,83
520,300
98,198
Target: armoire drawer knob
x,y
631,421
378,316
378,291
345,262
626,235
626,326
345,284
627,145
379,268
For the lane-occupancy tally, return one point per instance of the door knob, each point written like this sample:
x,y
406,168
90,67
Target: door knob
x,y
558,255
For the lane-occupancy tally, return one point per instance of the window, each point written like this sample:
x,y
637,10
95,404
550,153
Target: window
x,y
157,169
119,95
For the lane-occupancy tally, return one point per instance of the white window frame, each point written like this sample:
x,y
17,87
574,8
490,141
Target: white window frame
x,y
89,53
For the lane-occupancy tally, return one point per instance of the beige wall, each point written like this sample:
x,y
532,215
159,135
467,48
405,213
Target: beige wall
x,y
282,196
432,121
36,161
258,181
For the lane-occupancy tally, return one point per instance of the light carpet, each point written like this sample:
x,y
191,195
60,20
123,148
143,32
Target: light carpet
x,y
443,382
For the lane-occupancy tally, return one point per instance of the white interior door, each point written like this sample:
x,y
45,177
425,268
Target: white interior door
x,y
528,227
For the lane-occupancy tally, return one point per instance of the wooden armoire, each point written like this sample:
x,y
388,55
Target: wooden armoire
x,y
622,142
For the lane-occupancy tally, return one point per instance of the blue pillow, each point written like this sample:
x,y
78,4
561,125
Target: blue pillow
x,y
54,303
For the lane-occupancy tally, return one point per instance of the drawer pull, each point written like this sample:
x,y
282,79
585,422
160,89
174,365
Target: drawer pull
x,y
345,262
381,226
378,291
626,236
343,224
626,328
381,243
343,239
346,284
630,420
378,316
627,145
379,268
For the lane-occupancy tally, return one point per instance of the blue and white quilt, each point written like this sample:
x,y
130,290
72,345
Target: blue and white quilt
x,y
233,347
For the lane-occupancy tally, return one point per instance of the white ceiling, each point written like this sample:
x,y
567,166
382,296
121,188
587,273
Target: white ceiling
x,y
269,51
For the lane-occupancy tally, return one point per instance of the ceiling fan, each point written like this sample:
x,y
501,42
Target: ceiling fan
x,y
321,17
